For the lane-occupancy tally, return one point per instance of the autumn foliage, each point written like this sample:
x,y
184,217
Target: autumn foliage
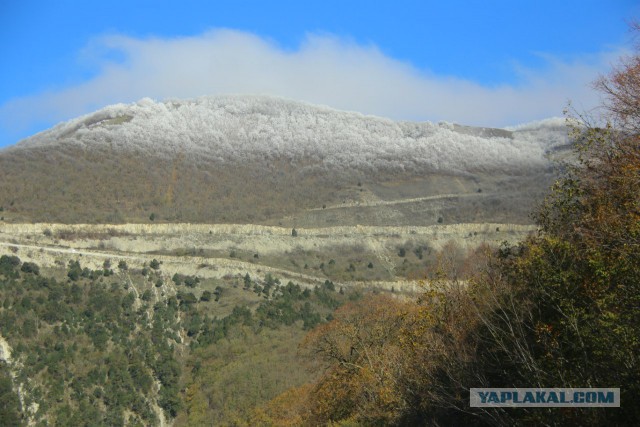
x,y
561,309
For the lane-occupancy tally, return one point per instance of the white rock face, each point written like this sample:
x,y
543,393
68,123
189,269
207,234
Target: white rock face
x,y
252,128
5,350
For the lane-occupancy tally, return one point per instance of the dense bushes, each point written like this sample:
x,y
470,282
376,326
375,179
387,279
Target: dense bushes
x,y
86,356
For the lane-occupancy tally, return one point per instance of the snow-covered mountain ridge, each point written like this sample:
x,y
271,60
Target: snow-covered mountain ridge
x,y
240,128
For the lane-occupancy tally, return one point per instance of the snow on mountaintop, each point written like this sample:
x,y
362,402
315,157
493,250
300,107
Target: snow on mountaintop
x,y
245,128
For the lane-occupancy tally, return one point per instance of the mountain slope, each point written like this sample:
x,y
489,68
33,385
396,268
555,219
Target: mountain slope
x,y
261,159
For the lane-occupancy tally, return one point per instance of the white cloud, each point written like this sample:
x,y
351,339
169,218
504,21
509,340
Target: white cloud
x,y
323,70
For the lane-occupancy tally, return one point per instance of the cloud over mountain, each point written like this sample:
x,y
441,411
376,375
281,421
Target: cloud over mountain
x,y
324,70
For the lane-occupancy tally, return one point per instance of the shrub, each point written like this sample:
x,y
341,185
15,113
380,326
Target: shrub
x,y
30,267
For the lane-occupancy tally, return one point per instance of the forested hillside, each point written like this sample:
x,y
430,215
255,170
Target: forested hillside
x,y
117,346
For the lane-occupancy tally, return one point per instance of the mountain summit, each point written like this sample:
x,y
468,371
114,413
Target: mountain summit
x,y
253,158
237,128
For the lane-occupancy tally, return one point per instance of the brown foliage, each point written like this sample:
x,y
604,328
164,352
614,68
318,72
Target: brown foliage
x,y
361,348
288,409
386,358
597,202
622,91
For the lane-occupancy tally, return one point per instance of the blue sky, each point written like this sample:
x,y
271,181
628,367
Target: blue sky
x,y
491,63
